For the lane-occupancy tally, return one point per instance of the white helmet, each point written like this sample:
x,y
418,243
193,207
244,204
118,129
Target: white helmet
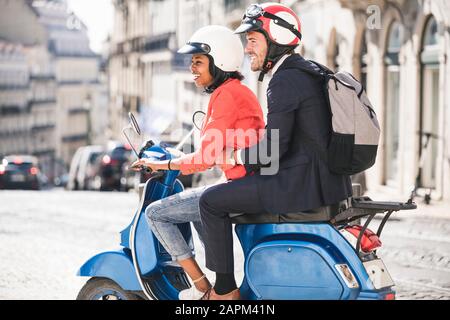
x,y
220,43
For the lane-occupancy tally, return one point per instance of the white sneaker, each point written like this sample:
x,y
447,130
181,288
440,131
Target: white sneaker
x,y
190,294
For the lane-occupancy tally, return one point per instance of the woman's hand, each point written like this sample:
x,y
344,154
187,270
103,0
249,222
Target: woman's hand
x,y
153,165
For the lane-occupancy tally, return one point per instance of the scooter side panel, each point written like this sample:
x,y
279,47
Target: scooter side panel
x,y
146,247
322,235
125,236
292,270
115,265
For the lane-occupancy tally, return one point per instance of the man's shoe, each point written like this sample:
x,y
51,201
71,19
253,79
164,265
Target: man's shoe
x,y
212,295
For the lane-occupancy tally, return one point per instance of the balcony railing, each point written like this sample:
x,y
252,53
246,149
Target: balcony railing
x,y
74,111
42,127
75,138
43,101
144,44
42,76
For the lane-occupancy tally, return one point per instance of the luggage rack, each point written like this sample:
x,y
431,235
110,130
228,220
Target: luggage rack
x,y
364,206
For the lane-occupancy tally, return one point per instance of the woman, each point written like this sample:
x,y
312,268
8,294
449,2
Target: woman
x,y
217,56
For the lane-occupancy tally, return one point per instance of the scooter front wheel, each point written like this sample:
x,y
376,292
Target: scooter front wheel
x,y
105,289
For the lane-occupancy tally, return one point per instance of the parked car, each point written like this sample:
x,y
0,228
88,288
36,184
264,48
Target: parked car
x,y
109,166
130,179
21,172
82,171
87,173
61,181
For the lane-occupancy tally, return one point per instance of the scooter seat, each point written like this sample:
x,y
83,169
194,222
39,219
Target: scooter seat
x,y
322,214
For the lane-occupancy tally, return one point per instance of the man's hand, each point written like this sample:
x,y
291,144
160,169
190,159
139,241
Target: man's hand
x,y
226,159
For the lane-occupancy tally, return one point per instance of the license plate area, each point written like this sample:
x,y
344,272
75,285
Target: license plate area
x,y
17,177
378,274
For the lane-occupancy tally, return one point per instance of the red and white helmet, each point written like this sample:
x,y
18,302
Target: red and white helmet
x,y
278,22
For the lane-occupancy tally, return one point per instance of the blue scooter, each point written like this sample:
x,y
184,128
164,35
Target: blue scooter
x,y
313,255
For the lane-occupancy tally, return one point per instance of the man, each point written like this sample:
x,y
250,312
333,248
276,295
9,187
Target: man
x,y
297,133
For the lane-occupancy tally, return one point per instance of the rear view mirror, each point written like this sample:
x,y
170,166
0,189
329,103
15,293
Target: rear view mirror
x,y
198,118
134,123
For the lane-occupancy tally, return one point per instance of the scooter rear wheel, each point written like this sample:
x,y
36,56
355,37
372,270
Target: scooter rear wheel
x,y
105,289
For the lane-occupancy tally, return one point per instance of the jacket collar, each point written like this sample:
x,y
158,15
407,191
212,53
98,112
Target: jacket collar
x,y
278,65
294,60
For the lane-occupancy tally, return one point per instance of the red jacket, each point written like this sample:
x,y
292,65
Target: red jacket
x,y
232,106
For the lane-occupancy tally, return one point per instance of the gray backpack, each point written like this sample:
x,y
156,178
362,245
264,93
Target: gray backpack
x,y
355,131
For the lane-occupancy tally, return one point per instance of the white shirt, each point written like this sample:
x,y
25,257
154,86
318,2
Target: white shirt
x,y
278,65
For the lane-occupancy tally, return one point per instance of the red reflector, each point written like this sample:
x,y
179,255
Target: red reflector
x,y
369,241
389,296
2,169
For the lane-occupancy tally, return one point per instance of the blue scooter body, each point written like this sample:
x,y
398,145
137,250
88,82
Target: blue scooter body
x,y
298,262
118,265
282,261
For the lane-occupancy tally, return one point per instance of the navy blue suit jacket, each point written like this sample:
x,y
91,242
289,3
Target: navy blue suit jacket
x,y
298,109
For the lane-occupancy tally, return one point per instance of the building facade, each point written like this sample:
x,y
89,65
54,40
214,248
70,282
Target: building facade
x,y
43,117
28,87
76,68
14,98
399,50
53,99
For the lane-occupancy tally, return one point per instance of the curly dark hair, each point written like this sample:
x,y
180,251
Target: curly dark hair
x,y
236,75
220,76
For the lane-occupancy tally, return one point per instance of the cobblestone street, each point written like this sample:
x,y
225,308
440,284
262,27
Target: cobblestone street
x,y
46,236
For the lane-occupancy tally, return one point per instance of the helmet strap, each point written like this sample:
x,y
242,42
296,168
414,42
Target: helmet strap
x,y
274,53
283,23
218,74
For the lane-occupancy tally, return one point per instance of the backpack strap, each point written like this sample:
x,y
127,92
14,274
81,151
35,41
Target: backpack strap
x,y
317,71
323,68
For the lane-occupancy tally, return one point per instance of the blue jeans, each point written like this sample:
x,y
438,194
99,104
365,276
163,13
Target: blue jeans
x,y
164,215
